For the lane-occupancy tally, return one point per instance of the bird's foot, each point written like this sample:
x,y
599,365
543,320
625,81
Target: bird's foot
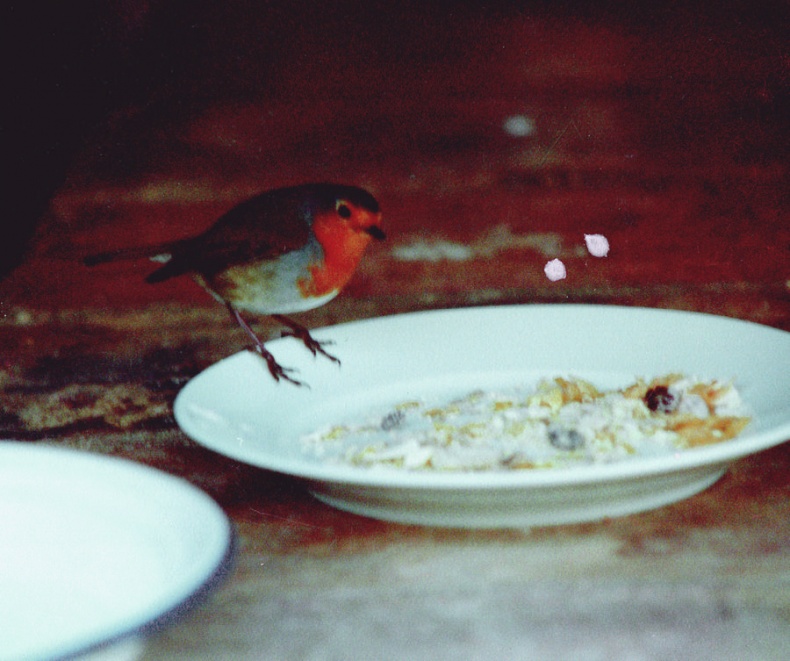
x,y
303,335
275,369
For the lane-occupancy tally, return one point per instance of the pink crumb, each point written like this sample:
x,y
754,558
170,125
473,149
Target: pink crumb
x,y
597,244
555,270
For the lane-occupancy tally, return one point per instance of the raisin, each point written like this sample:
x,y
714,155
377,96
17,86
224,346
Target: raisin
x,y
565,439
392,420
659,399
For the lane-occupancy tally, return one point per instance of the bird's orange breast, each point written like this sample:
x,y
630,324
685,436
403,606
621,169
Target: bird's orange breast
x,y
343,248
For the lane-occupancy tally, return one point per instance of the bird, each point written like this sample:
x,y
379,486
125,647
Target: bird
x,y
284,251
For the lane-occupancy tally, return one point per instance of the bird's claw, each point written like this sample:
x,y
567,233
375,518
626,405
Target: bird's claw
x,y
303,335
277,371
313,346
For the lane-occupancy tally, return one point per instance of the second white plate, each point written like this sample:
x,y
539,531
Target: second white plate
x,y
95,551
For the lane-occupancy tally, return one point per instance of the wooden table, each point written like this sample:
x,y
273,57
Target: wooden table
x,y
494,141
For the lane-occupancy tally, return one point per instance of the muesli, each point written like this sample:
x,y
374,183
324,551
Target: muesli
x,y
561,423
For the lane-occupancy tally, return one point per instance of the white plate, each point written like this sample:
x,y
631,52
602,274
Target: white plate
x,y
235,407
96,550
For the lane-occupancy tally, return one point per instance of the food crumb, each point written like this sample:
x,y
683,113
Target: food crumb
x,y
555,270
597,244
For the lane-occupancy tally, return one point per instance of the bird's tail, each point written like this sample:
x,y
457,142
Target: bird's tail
x,y
157,253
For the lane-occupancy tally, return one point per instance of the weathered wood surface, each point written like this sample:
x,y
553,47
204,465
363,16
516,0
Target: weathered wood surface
x,y
666,133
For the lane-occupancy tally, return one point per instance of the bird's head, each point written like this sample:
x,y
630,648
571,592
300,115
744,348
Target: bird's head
x,y
345,218
349,209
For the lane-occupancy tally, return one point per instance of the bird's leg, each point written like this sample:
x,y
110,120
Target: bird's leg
x,y
302,334
276,370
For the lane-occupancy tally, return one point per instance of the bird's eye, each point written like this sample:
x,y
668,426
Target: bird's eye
x,y
343,209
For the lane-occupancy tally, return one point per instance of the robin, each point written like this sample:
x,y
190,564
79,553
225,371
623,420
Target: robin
x,y
284,251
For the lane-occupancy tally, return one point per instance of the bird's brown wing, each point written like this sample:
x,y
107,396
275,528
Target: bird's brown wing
x,y
261,228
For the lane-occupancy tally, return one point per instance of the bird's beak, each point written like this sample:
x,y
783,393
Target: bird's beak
x,y
376,232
